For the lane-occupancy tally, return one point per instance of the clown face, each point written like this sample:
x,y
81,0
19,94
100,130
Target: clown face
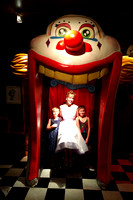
x,y
74,45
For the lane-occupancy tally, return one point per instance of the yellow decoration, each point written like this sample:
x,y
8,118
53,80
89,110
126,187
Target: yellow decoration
x,y
19,64
126,75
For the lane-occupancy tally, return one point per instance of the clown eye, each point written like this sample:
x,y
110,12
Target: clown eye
x,y
87,32
61,31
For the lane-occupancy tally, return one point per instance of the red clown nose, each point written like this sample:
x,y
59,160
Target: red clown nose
x,y
73,40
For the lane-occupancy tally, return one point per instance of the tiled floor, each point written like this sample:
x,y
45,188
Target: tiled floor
x,y
67,184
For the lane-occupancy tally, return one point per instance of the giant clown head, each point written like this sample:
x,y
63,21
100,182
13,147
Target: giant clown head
x,y
74,51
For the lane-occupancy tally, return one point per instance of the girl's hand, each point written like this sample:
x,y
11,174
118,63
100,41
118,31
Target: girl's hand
x,y
86,140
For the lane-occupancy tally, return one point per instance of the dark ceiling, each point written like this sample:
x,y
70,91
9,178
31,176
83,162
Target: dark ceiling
x,y
115,19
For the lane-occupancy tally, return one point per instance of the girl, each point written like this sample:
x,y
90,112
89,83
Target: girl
x,y
52,126
69,136
83,122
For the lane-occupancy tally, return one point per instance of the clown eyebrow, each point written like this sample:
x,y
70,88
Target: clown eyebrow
x,y
86,25
63,24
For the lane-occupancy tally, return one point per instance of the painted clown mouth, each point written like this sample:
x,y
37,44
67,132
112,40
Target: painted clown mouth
x,y
74,79
74,74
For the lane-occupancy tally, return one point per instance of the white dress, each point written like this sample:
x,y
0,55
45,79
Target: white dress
x,y
69,135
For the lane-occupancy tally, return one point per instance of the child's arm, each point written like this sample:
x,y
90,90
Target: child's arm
x,y
60,113
77,113
88,132
77,122
49,126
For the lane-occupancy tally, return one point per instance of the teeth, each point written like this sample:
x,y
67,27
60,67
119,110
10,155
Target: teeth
x,y
63,77
74,79
80,79
48,72
94,75
104,72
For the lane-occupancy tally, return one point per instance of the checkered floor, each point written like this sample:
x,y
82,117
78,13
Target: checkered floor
x,y
67,184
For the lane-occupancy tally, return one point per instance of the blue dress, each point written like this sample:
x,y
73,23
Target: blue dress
x,y
52,136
